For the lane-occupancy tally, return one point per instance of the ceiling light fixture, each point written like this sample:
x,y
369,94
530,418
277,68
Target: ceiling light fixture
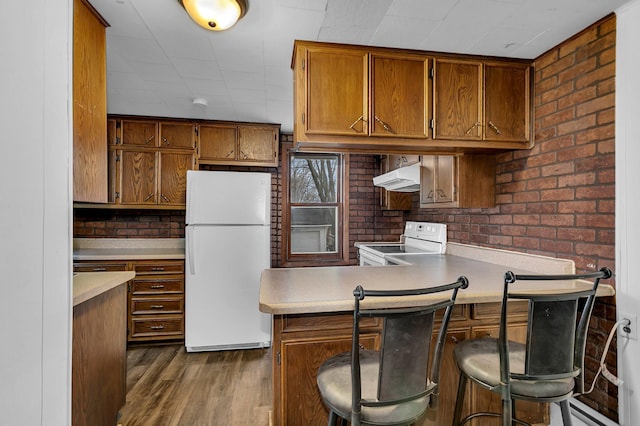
x,y
215,15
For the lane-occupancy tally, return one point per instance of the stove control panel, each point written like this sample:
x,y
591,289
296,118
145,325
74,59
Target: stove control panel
x,y
426,231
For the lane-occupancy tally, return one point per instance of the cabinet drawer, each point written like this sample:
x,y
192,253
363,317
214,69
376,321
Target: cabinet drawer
x,y
157,285
159,268
519,309
326,322
459,313
157,305
154,327
99,267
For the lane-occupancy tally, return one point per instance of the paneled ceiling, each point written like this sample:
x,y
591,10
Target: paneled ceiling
x,y
158,60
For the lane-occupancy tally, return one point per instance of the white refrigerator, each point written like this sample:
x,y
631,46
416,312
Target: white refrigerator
x,y
228,245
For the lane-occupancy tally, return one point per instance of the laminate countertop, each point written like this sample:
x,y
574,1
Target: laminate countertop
x,y
87,285
330,289
128,248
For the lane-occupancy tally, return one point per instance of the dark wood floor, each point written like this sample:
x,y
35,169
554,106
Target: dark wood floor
x,y
168,386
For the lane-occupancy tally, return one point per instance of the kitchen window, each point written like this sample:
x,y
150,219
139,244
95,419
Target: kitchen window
x,y
313,222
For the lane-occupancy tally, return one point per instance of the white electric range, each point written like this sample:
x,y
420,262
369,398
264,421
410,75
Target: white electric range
x,y
419,238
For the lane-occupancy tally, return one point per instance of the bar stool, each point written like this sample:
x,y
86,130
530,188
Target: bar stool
x,y
390,386
549,367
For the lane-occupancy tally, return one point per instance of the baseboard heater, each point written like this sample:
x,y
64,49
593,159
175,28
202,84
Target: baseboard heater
x,y
588,415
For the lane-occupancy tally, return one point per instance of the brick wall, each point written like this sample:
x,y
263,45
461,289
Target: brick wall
x,y
106,223
558,198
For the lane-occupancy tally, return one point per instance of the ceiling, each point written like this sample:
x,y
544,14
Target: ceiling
x,y
159,61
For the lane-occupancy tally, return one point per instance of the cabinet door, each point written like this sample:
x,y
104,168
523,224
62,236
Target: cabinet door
x,y
336,92
139,133
137,177
258,144
484,400
507,102
217,143
439,178
301,401
399,96
457,106
177,135
89,106
173,177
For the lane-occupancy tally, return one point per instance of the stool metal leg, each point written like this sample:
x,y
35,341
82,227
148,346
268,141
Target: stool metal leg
x,y
462,386
566,413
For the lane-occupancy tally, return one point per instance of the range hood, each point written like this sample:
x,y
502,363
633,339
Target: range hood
x,y
404,179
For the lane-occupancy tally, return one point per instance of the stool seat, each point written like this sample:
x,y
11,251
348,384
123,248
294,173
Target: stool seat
x,y
334,382
480,359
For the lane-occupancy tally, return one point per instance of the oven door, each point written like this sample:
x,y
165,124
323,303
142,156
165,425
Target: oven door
x,y
369,259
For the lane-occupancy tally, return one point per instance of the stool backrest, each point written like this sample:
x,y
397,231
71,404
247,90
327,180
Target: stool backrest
x,y
556,331
405,345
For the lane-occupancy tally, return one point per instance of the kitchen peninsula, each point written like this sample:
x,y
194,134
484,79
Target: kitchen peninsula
x,y
312,320
99,358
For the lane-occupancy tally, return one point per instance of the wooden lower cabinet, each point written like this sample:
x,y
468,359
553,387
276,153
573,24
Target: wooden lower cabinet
x,y
155,301
302,342
98,371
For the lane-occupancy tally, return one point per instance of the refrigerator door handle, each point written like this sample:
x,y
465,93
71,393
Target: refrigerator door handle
x,y
191,258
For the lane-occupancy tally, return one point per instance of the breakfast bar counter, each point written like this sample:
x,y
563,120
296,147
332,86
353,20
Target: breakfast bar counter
x,y
312,318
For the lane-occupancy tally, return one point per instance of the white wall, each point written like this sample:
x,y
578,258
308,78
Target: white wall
x,y
628,202
35,226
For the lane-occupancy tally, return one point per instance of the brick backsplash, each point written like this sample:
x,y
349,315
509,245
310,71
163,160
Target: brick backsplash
x,y
558,198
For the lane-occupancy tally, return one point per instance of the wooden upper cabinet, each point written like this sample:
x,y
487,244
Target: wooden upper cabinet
x,y
139,133
217,142
259,144
482,101
89,105
399,96
507,102
335,91
457,100
241,144
177,135
137,177
173,177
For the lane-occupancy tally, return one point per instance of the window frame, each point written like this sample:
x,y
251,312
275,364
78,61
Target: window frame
x,y
341,255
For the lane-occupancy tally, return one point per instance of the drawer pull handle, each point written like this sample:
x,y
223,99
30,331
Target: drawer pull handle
x,y
157,268
454,339
157,286
99,269
157,306
157,327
